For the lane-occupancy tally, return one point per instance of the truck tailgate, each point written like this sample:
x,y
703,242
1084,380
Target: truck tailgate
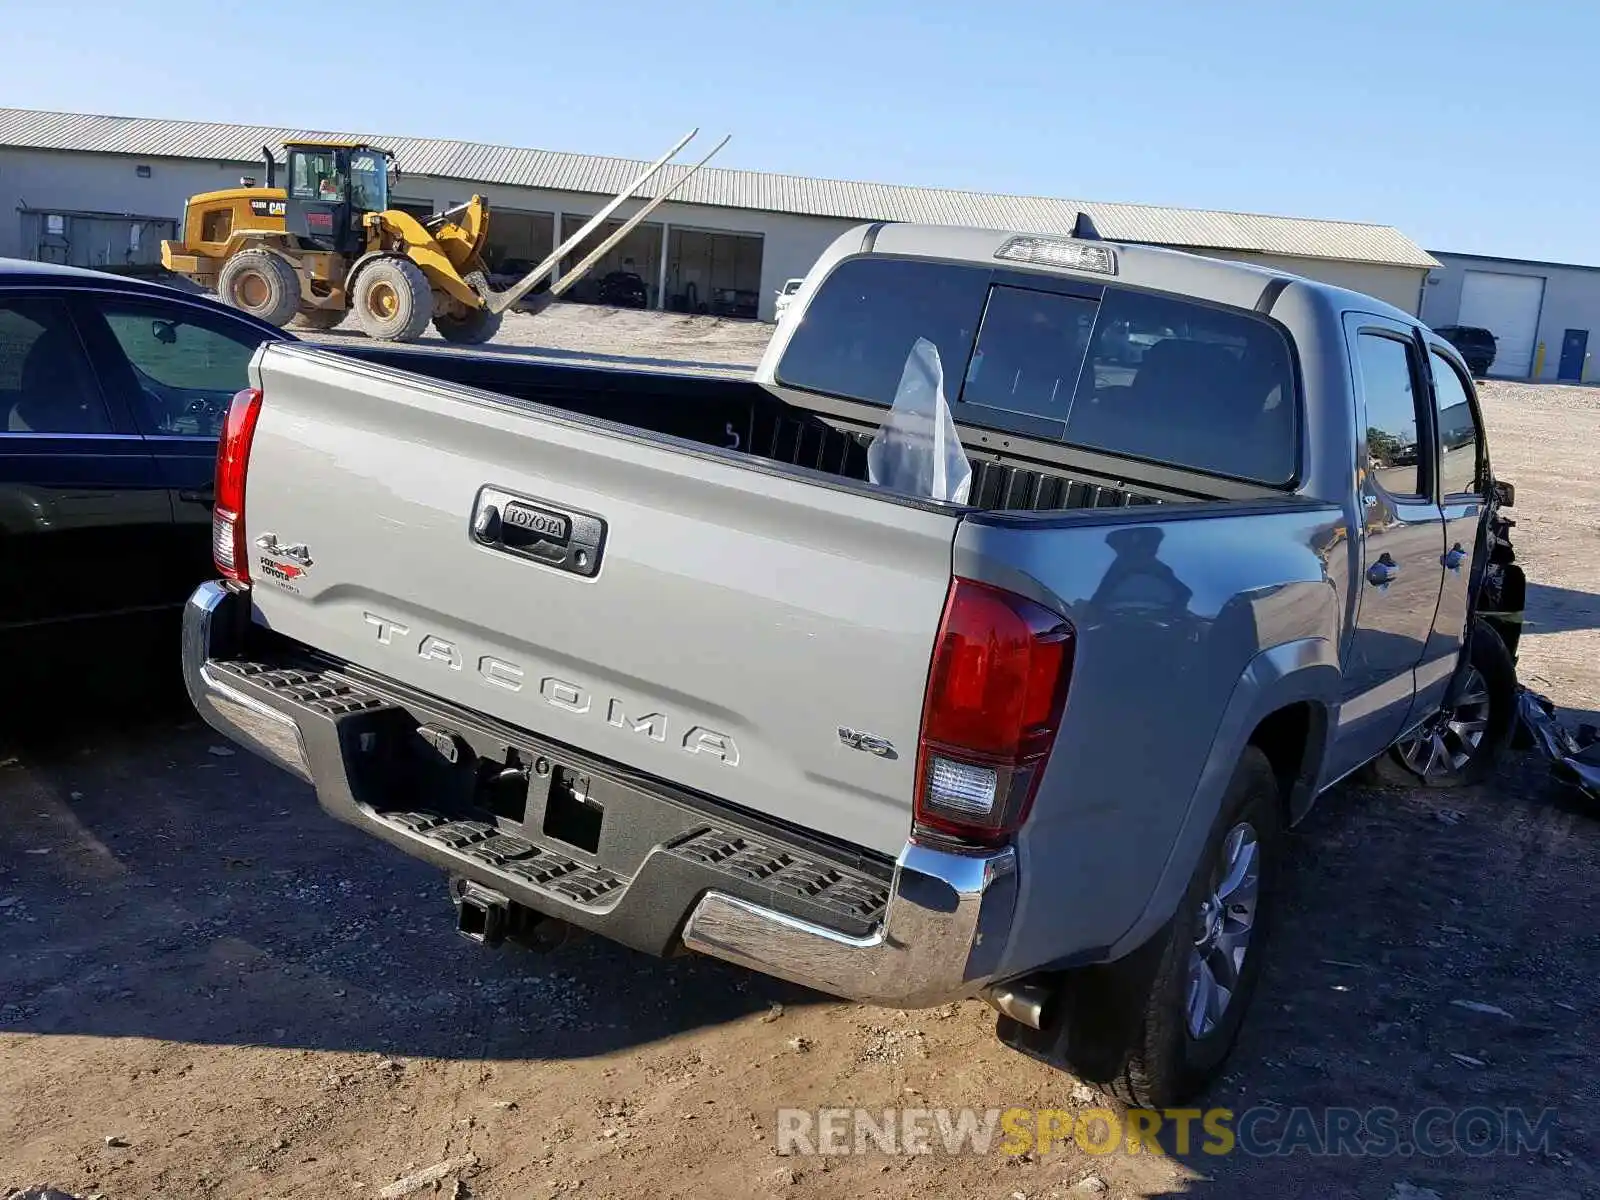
x,y
651,602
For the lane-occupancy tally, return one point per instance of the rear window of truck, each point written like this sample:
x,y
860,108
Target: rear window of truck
x,y
1137,374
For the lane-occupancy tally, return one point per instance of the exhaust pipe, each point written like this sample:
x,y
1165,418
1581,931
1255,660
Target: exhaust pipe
x,y
481,915
1025,1003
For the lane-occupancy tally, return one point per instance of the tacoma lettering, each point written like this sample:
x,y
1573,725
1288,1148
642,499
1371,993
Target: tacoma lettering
x,y
558,693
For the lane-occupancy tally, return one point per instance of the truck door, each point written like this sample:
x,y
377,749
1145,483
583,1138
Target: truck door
x,y
1402,537
1460,472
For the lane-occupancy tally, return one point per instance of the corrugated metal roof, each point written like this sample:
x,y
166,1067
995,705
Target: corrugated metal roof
x,y
474,162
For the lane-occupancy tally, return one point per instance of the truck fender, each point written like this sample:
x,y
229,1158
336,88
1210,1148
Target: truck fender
x,y
1305,670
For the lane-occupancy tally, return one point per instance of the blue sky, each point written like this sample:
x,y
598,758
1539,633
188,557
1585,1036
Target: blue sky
x,y
1469,125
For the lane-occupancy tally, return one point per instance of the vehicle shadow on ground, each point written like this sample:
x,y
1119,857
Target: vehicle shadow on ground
x,y
153,887
155,884
1561,610
1417,977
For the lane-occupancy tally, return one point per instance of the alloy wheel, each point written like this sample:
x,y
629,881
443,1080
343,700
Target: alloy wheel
x,y
1447,743
1225,922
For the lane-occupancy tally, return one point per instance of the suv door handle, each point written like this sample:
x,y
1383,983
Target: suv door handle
x,y
205,495
1454,558
1383,572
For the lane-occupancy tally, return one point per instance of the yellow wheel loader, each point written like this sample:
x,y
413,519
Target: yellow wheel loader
x,y
327,243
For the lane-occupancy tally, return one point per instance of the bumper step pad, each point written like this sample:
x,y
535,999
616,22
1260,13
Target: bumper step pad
x,y
765,871
317,690
784,871
537,867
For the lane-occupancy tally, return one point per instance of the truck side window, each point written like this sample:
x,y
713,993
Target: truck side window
x,y
867,315
1458,431
1177,382
1388,388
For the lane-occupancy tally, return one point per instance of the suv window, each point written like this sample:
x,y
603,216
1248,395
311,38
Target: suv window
x,y
1458,431
186,366
45,382
869,313
1389,393
1183,383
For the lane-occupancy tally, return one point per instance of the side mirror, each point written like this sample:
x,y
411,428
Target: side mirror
x,y
1505,494
165,332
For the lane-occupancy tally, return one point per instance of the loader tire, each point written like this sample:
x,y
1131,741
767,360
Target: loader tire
x,y
320,318
393,302
475,327
262,284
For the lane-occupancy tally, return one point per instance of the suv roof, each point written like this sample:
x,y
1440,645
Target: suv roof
x,y
1471,333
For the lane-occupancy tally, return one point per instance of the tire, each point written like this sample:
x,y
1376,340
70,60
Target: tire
x,y
392,300
1489,697
320,318
1127,1027
262,284
479,325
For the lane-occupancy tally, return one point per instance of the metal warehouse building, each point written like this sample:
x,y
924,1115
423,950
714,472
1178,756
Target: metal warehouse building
x,y
1540,313
103,191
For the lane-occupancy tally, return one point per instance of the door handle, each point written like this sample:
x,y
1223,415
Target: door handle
x,y
205,495
1383,572
1454,558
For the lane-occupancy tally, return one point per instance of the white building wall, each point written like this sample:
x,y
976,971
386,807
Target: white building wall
x,y
46,179
51,179
1399,286
1571,301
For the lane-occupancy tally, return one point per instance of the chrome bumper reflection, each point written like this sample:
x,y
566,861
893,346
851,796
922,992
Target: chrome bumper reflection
x,y
208,624
941,939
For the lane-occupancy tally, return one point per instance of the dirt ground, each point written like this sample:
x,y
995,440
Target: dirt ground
x,y
587,333
250,1000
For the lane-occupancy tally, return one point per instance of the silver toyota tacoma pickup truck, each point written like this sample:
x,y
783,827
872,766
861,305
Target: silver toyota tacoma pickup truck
x,y
985,644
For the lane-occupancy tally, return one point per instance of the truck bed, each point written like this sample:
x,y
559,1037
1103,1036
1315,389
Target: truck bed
x,y
739,414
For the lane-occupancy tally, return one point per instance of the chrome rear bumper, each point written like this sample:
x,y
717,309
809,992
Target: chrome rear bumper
x,y
940,939
939,935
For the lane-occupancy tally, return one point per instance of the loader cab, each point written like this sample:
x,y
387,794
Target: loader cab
x,y
330,186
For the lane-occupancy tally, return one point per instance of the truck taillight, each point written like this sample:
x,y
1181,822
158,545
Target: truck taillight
x,y
228,547
1001,665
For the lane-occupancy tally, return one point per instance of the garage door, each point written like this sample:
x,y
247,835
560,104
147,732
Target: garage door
x,y
1508,307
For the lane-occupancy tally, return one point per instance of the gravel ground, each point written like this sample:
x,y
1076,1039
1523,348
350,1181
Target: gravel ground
x,y
633,338
209,989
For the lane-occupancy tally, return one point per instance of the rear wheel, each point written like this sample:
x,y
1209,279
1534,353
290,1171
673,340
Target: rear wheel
x,y
469,329
1154,1028
392,301
320,318
262,284
1461,743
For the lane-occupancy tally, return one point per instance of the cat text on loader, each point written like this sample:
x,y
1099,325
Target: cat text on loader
x,y
327,243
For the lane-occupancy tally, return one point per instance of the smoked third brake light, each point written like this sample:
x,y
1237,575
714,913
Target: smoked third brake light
x,y
1001,666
